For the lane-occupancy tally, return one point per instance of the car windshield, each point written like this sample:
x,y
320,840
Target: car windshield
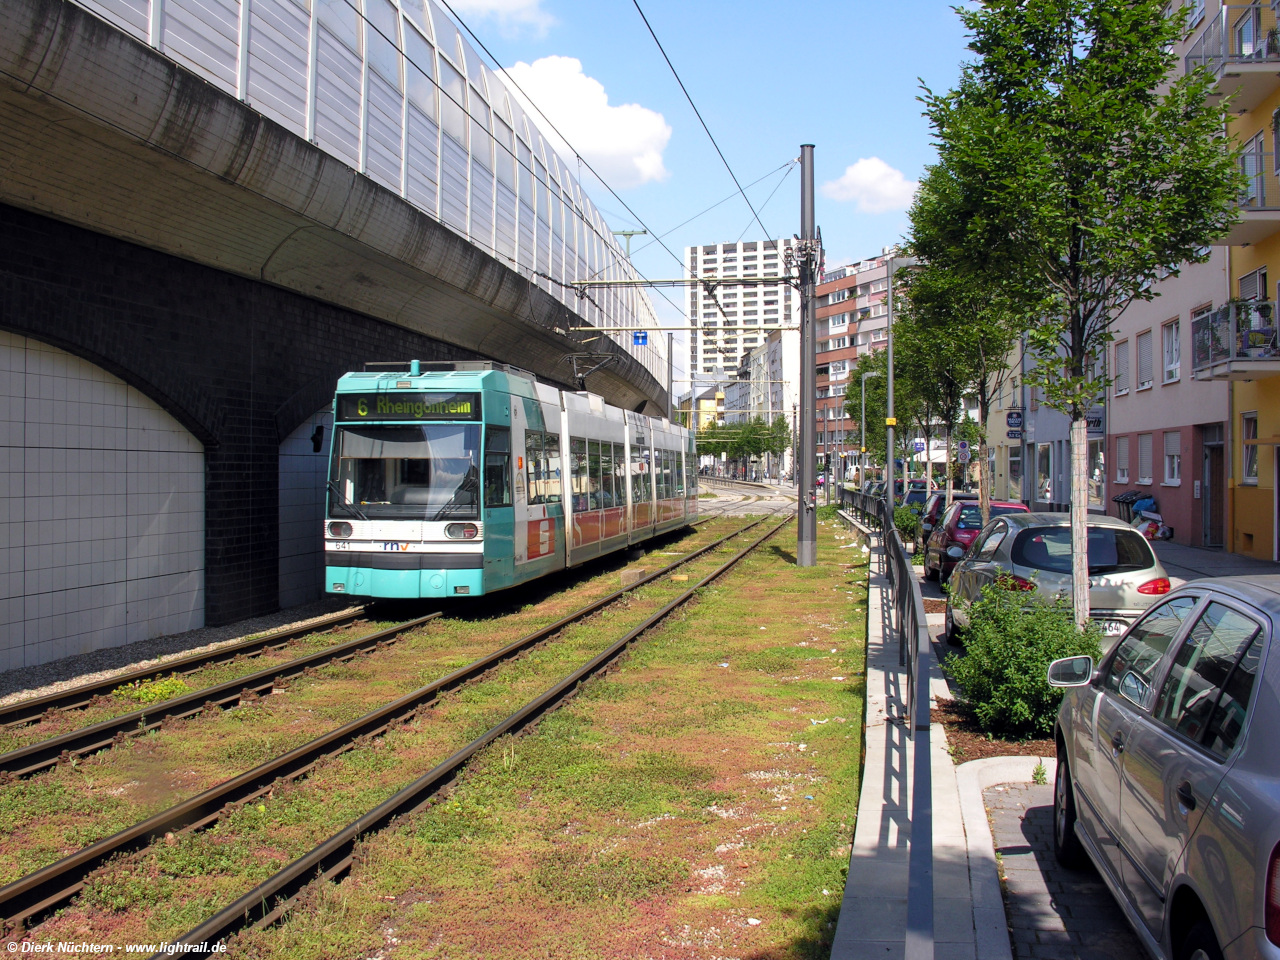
x,y
409,472
1111,550
971,515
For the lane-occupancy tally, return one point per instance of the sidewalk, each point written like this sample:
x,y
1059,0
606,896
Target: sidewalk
x,y
1195,563
969,917
873,913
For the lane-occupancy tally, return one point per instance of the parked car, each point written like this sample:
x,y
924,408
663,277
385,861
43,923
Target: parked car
x,y
1167,774
918,490
1033,550
936,505
953,533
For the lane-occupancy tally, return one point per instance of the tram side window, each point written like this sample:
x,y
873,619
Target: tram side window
x,y
534,467
578,475
608,496
551,447
593,482
664,479
619,473
497,467
678,464
639,478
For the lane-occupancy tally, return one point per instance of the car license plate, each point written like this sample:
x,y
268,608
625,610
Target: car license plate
x,y
1113,628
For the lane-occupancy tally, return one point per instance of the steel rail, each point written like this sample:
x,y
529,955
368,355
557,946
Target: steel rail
x,y
77,743
271,900
23,712
55,884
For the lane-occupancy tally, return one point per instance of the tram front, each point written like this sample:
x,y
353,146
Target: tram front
x,y
403,511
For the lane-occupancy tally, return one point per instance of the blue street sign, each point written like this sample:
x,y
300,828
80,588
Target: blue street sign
x,y
1014,434
919,446
640,338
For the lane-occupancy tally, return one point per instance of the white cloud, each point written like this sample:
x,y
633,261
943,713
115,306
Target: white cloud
x,y
510,14
624,143
874,185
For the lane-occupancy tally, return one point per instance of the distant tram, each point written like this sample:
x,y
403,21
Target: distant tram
x,y
448,479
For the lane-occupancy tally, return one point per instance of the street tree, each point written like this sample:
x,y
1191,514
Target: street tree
x,y
1082,166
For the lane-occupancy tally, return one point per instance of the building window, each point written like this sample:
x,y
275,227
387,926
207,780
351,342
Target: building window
x,y
1044,472
1121,375
1249,431
1122,459
1172,351
1172,457
1144,360
1015,472
1097,471
1144,458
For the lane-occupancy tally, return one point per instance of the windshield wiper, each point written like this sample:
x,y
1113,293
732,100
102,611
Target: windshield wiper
x,y
333,485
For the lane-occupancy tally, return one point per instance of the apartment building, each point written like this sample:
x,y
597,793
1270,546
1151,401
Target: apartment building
x,y
1196,400
852,318
742,295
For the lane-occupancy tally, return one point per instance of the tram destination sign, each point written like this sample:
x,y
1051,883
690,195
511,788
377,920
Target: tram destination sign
x,y
357,407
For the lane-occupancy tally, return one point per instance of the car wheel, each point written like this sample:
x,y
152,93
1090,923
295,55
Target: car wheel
x,y
1066,845
930,573
952,630
1199,944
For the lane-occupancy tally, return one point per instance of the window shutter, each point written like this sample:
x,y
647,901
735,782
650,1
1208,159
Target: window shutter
x,y
1249,286
1144,359
1122,367
1172,443
1144,458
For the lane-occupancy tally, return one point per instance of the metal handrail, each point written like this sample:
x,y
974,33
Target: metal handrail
x,y
914,651
1236,34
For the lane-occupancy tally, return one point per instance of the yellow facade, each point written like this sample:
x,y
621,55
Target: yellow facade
x,y
1251,503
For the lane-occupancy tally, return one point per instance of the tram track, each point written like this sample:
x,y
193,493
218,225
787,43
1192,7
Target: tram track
x,y
272,899
23,712
49,887
42,754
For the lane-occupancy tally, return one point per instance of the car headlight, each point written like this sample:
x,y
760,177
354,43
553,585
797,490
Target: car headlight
x,y
340,529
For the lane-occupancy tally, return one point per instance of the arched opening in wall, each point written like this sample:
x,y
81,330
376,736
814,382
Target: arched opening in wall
x,y
303,470
102,514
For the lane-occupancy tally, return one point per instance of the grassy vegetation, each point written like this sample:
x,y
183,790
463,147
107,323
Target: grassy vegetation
x,y
699,800
52,814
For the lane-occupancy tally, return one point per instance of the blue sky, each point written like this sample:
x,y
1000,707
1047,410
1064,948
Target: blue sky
x,y
766,77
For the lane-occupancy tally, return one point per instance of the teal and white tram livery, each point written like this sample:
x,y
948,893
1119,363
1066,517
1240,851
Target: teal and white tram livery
x,y
458,479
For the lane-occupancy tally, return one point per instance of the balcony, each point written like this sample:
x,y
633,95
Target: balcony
x,y
1259,203
1240,48
1236,342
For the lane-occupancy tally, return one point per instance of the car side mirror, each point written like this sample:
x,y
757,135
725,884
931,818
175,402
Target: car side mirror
x,y
927,527
1071,672
955,553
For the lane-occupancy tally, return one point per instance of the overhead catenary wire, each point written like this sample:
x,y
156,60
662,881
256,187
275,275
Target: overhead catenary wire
x,y
698,114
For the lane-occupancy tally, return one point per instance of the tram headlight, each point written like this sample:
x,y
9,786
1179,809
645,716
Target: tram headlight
x,y
461,531
340,529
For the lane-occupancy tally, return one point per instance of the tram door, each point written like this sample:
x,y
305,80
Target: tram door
x,y
499,508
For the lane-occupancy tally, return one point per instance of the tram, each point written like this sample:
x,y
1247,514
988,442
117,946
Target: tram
x,y
450,479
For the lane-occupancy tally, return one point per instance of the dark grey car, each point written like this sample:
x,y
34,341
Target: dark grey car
x,y
1168,777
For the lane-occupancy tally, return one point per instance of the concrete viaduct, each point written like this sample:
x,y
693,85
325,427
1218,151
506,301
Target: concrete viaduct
x,y
208,211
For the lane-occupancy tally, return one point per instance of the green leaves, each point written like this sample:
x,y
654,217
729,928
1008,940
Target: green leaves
x,y
750,438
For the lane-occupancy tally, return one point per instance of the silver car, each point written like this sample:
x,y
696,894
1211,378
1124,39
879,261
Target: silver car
x,y
1033,552
1168,779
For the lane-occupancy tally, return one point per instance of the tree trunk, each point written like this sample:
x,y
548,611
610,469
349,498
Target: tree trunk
x,y
947,469
1079,519
984,480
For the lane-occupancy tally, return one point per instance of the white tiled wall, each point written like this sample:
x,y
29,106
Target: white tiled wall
x,y
302,492
101,510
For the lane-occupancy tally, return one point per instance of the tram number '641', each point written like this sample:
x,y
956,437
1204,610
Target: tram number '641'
x,y
393,545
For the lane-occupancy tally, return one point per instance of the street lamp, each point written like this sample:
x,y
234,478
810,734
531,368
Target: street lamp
x,y
862,456
890,420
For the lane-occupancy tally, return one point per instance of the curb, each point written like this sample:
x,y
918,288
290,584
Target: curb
x,y
990,924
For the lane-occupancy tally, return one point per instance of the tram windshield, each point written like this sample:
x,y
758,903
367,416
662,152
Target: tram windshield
x,y
407,472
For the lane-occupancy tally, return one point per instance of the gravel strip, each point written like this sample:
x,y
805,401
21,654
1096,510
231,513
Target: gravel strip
x,y
59,675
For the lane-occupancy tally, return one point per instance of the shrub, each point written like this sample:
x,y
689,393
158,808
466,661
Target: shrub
x,y
1011,640
907,522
